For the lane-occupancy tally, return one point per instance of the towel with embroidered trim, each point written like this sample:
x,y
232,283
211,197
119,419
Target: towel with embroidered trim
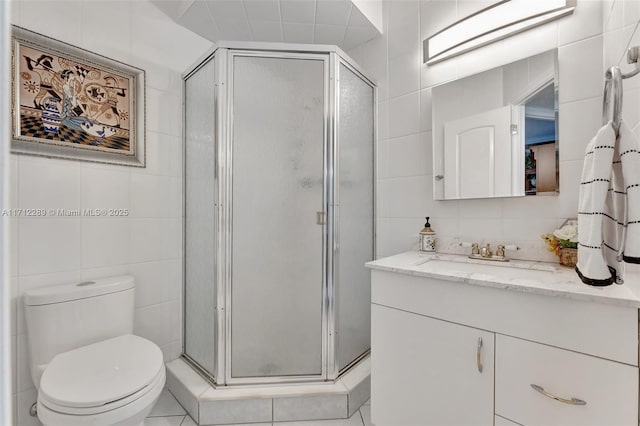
x,y
609,206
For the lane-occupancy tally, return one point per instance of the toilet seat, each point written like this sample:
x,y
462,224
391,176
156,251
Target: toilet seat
x,y
131,414
102,376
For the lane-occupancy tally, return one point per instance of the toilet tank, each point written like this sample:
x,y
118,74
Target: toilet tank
x,y
65,317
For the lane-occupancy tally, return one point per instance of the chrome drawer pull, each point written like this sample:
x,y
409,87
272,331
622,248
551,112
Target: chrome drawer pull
x,y
479,355
572,401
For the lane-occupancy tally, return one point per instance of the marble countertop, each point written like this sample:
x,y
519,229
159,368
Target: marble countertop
x,y
548,279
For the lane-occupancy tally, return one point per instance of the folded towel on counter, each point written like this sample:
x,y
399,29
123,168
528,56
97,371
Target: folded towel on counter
x,y
609,206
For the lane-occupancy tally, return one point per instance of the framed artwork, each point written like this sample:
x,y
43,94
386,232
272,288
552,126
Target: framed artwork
x,y
70,103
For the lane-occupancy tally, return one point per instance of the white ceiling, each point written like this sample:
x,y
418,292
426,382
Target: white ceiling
x,y
338,22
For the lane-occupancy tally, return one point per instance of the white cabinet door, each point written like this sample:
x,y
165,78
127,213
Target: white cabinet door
x,y
429,372
477,155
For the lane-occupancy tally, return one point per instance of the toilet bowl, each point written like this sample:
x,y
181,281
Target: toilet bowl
x,y
113,382
87,366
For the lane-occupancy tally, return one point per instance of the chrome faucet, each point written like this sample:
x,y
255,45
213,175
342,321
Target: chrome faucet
x,y
485,253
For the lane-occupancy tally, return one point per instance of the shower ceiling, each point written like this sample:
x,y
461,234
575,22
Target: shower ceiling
x,y
339,22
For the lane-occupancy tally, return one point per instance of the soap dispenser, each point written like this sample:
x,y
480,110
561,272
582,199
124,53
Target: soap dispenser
x,y
427,238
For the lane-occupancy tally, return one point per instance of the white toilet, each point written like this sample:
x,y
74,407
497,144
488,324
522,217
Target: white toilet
x,y
87,365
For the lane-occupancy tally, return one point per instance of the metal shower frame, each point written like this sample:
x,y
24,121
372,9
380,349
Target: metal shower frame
x,y
332,57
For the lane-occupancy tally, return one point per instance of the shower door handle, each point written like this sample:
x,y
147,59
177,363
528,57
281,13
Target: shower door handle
x,y
321,218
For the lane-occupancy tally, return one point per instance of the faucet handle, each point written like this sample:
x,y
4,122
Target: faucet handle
x,y
500,251
475,247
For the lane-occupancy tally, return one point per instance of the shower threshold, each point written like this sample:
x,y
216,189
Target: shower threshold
x,y
209,405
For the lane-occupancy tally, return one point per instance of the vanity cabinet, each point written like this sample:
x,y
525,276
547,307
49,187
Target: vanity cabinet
x,y
425,355
430,369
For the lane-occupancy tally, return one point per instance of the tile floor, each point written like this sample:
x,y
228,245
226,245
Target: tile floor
x,y
168,412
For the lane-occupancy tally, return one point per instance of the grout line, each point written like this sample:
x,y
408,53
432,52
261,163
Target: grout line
x,y
99,267
613,3
246,16
591,98
403,177
315,16
346,28
624,52
130,53
361,416
586,98
165,416
413,92
582,40
213,19
281,21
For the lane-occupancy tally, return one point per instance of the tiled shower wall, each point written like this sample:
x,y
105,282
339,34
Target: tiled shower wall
x,y
147,243
404,149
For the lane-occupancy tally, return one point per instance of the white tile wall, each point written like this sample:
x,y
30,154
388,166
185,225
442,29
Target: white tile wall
x,y
622,30
575,130
404,113
55,186
580,70
147,242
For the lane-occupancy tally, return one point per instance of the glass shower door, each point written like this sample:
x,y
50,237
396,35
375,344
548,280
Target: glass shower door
x,y
200,320
278,187
355,215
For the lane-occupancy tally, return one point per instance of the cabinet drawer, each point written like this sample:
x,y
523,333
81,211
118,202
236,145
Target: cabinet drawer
x,y
610,389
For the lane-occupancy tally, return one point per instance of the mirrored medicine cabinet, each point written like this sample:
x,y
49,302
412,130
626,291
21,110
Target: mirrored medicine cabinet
x,y
495,134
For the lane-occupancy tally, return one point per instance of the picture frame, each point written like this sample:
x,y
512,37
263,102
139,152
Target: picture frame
x,y
74,104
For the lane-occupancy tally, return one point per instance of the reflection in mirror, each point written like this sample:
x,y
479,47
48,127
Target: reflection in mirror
x,y
495,134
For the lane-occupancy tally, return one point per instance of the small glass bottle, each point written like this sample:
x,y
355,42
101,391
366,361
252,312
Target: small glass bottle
x,y
427,238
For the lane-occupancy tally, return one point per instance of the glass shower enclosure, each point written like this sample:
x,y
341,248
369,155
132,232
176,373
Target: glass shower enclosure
x,y
279,213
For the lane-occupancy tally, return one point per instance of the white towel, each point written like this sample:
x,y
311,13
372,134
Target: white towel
x,y
629,147
609,206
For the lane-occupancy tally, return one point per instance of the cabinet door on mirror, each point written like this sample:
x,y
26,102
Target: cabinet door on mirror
x,y
477,155
429,372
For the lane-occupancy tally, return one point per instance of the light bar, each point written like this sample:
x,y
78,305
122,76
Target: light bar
x,y
496,22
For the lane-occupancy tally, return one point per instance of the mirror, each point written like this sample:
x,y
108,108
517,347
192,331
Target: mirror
x,y
495,134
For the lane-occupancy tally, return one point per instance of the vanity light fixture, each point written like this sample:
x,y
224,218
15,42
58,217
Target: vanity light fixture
x,y
498,21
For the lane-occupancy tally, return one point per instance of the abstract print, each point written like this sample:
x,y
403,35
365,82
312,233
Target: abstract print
x,y
65,101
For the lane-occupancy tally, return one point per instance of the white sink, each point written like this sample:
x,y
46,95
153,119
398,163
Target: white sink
x,y
508,270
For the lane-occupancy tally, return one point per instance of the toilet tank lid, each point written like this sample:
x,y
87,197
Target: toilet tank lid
x,y
79,290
